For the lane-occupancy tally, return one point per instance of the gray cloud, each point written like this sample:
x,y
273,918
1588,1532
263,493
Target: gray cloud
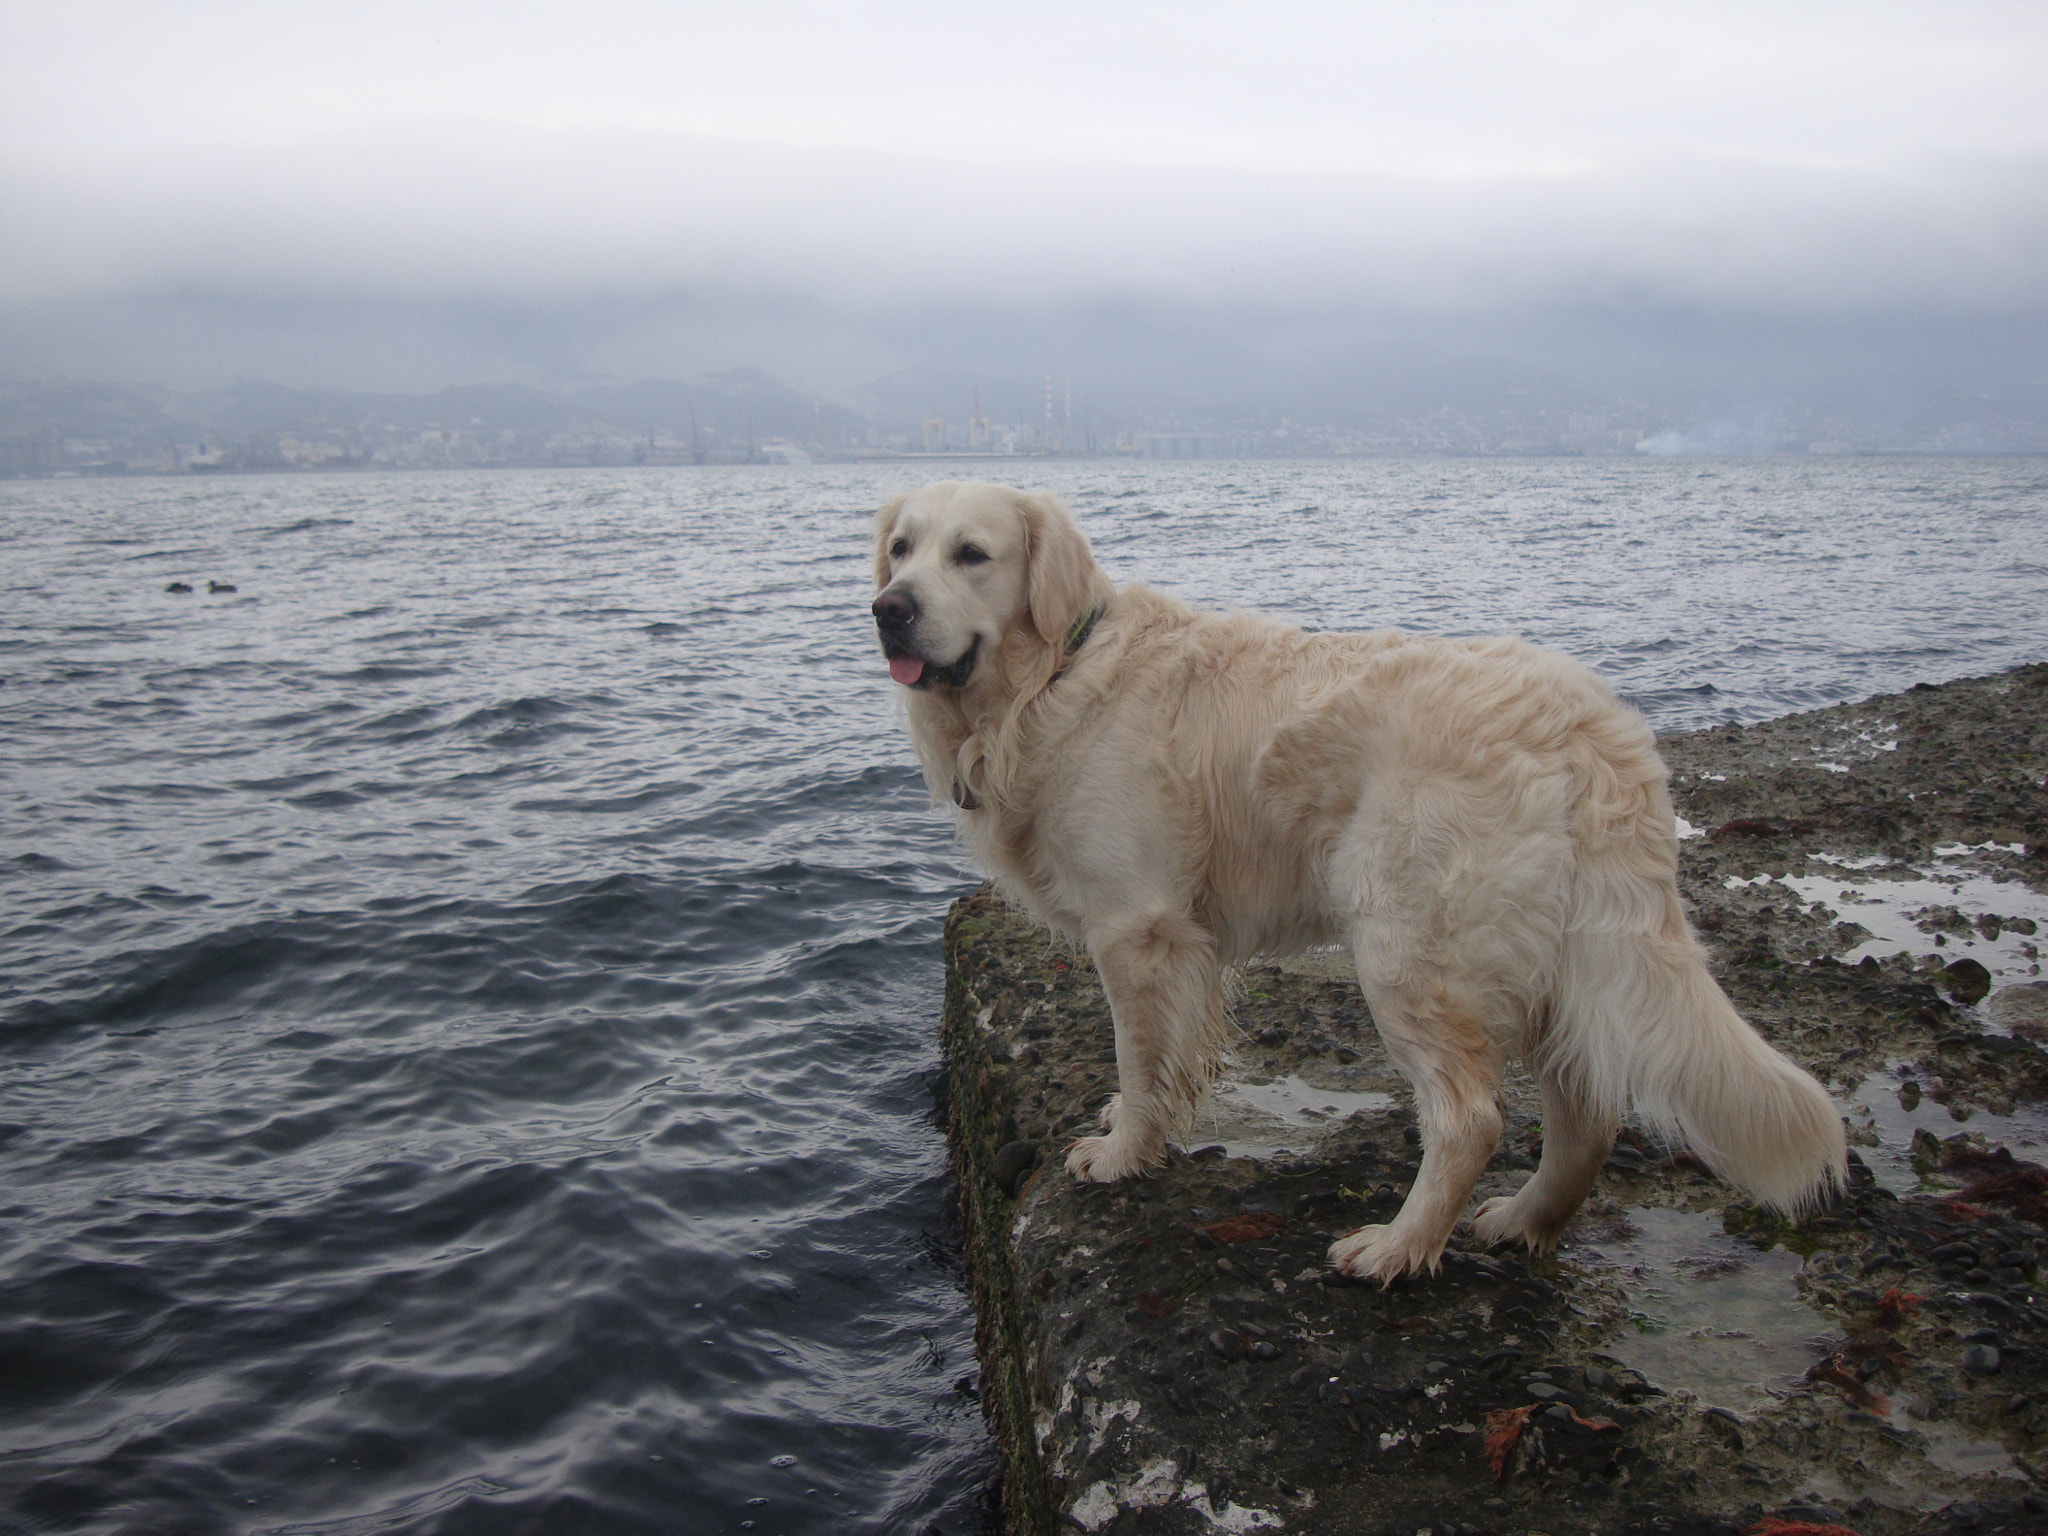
x,y
1170,201
521,214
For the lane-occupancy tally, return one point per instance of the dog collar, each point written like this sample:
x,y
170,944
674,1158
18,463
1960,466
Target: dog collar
x,y
1084,626
1077,637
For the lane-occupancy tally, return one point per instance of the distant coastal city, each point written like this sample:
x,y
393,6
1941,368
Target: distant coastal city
x,y
745,416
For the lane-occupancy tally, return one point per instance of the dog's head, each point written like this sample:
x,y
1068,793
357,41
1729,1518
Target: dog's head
x,y
962,567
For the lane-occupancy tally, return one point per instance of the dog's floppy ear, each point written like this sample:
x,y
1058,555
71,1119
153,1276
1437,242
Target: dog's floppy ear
x,y
885,523
1060,568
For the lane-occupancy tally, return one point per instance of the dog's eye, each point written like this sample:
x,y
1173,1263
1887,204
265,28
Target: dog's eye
x,y
971,554
899,549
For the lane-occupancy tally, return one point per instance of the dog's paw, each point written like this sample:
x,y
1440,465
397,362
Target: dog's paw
x,y
1384,1253
1499,1223
1105,1159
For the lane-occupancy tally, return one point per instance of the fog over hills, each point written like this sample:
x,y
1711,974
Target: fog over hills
x,y
467,233
1690,384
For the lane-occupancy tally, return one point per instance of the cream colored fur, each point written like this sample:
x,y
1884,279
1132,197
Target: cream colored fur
x,y
1481,821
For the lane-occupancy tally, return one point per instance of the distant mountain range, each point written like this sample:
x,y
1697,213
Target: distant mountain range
x,y
1350,401
47,427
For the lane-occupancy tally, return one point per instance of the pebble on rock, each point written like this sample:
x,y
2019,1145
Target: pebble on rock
x,y
1982,1359
1013,1165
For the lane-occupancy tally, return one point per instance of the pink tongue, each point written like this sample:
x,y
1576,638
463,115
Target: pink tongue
x,y
906,669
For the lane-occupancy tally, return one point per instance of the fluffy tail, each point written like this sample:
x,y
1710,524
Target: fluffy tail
x,y
1637,1021
1653,1033
1640,1027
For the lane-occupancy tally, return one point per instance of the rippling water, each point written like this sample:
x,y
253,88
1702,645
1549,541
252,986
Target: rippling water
x,y
466,1028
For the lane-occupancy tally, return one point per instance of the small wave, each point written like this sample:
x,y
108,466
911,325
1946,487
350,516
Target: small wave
x,y
614,805
297,717
283,782
121,794
202,975
421,720
304,525
762,808
327,800
388,672
1662,703
534,717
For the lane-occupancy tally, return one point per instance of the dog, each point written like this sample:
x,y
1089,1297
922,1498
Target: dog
x,y
1483,823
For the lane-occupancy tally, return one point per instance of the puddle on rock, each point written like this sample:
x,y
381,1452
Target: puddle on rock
x,y
1945,1445
1712,1315
1970,914
1722,1320
1953,1448
1884,1112
1285,1115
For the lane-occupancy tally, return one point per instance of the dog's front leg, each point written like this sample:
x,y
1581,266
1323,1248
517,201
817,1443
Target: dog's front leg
x,y
1165,993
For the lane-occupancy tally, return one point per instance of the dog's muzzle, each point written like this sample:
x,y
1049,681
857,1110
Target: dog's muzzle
x,y
896,614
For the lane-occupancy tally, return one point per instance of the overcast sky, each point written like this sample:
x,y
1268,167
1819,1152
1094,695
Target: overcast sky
x,y
844,160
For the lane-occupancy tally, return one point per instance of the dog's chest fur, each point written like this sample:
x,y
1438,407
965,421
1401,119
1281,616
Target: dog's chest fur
x,y
1028,784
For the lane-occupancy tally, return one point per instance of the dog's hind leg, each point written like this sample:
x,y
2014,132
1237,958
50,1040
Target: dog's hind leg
x,y
1165,990
1576,1140
1445,1051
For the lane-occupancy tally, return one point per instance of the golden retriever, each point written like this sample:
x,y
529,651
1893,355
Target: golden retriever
x,y
1481,821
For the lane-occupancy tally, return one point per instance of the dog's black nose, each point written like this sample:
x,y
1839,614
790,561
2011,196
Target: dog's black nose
x,y
895,611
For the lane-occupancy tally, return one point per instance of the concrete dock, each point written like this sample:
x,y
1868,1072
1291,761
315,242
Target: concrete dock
x,y
1173,1354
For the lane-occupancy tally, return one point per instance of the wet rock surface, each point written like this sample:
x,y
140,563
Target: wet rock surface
x,y
1173,1353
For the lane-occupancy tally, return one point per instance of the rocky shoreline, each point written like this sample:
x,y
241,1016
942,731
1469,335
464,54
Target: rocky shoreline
x,y
1173,1355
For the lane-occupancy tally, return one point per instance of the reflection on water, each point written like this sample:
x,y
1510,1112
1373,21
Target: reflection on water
x,y
1711,1314
2001,924
1888,1107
